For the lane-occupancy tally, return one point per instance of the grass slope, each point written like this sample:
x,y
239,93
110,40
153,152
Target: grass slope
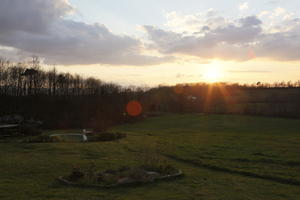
x,y
222,156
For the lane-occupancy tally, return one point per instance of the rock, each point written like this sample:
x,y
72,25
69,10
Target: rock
x,y
151,176
150,173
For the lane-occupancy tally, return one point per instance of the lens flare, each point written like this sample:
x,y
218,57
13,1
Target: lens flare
x,y
134,108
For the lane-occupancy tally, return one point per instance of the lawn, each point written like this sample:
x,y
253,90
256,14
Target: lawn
x,y
223,157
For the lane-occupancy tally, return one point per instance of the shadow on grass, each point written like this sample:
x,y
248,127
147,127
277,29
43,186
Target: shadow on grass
x,y
269,161
58,183
198,163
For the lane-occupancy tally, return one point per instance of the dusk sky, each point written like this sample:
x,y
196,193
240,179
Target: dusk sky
x,y
139,42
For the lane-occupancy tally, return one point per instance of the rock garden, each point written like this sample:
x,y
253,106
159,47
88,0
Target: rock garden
x,y
122,176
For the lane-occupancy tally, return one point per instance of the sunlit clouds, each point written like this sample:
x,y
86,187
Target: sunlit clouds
x,y
240,39
181,44
244,6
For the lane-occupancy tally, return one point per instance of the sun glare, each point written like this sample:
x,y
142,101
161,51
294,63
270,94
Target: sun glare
x,y
212,74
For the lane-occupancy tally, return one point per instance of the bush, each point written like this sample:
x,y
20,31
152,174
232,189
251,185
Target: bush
x,y
38,139
28,130
76,174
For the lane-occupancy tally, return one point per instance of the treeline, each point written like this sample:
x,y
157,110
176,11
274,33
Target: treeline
x,y
63,100
277,100
27,79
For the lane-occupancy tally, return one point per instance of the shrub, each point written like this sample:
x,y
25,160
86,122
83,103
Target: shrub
x,y
38,139
28,130
76,174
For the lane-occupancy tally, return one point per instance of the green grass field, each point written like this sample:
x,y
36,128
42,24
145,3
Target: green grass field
x,y
223,157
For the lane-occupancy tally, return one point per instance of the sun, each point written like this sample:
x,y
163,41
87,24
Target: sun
x,y
212,74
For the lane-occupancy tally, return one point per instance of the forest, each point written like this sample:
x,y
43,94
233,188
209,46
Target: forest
x,y
64,100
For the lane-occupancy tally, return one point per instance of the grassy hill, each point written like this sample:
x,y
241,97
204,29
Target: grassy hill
x,y
222,157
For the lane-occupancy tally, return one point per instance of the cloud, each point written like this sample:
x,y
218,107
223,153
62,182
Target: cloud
x,y
40,27
239,39
272,2
244,6
230,41
193,23
180,75
279,11
249,71
13,54
32,16
44,28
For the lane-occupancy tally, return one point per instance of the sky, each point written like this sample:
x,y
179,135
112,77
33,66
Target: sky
x,y
147,43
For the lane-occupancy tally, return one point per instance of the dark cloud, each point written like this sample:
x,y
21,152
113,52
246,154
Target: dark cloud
x,y
34,16
250,21
39,27
283,46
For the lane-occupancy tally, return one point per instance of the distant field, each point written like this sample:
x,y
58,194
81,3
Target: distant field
x,y
223,157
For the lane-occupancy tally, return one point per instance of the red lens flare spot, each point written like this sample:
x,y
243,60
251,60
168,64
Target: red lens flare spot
x,y
251,54
134,108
